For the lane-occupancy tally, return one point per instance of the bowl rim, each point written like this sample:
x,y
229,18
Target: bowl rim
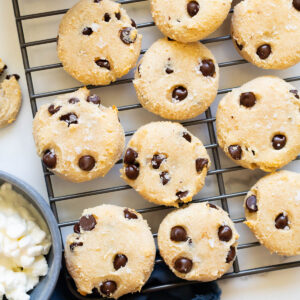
x,y
50,220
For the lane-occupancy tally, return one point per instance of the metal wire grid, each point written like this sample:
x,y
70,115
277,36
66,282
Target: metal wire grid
x,y
209,120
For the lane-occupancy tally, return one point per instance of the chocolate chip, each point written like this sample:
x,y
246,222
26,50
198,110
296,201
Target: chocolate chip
x,y
264,51
87,223
118,15
17,77
193,8
183,265
171,40
74,100
157,160
95,292
76,228
296,4
126,36
120,261
53,110
181,194
281,221
179,93
107,17
87,31
187,136
73,245
212,205
239,46
130,156
108,287
207,68
49,159
97,1
94,99
235,151
295,92
132,172
225,233
251,203
133,24
201,163
278,141
70,118
247,99
178,234
103,63
165,177
129,215
86,163
231,254
169,70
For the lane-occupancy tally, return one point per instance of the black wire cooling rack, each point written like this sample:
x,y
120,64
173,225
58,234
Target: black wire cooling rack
x,y
208,120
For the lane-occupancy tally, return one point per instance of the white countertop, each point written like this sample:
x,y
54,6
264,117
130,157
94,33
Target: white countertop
x,y
18,157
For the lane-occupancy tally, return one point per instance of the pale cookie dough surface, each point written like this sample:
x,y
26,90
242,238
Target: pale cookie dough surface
x,y
77,137
258,124
98,42
198,242
177,81
266,33
112,251
189,21
272,209
165,163
10,101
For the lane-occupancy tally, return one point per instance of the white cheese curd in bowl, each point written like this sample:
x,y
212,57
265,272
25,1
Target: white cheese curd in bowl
x,y
24,240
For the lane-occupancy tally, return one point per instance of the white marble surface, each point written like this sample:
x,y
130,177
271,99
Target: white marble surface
x,y
17,152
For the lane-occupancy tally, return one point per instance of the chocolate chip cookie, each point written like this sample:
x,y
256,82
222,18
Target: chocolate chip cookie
x,y
111,252
98,42
77,137
177,81
165,163
189,21
198,242
258,124
272,209
266,33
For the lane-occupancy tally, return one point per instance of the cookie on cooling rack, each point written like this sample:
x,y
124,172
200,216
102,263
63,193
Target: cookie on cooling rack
x,y
182,82
112,251
198,242
10,99
188,20
266,33
77,137
3,66
258,124
98,42
165,163
272,209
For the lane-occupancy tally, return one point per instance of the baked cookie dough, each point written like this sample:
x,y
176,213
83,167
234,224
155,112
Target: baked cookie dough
x,y
3,66
177,81
98,42
10,100
266,33
272,209
189,21
258,124
112,251
165,163
198,242
78,138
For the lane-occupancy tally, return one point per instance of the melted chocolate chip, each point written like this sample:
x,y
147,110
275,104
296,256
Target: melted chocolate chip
x,y
76,228
87,31
179,93
183,265
17,77
165,177
118,15
281,221
169,70
207,68
212,206
94,99
239,46
133,24
126,36
251,203
70,118
132,172
295,92
225,233
129,215
120,261
193,8
235,151
157,160
74,245
53,110
231,254
187,136
264,51
201,163
278,141
296,4
74,100
49,159
87,223
106,17
103,63
181,194
178,234
130,156
247,99
86,163
108,287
